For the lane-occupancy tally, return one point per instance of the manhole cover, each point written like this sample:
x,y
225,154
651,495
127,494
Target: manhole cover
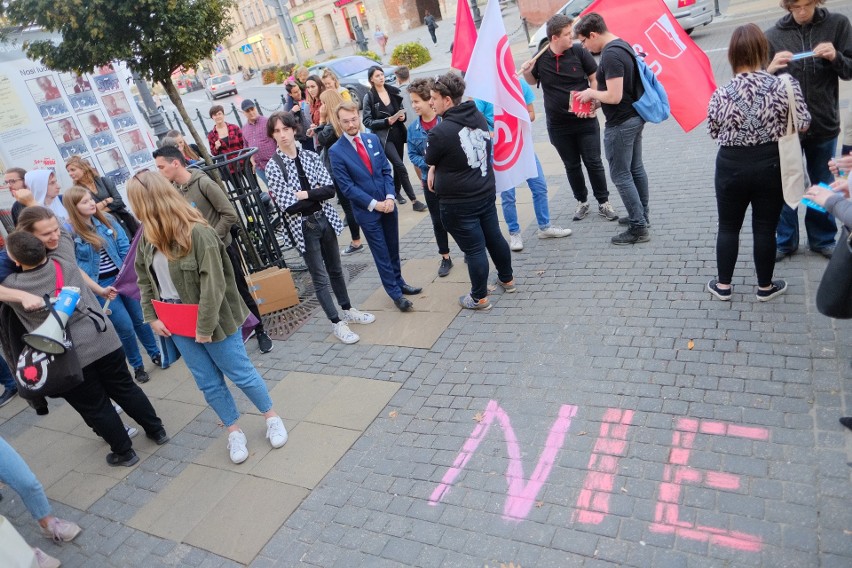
x,y
284,323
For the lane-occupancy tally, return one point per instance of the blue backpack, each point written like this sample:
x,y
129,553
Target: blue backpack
x,y
653,104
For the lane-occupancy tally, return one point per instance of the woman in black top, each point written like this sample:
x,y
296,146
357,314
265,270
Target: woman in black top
x,y
383,115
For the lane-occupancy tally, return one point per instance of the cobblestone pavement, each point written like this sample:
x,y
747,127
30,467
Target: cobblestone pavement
x,y
610,413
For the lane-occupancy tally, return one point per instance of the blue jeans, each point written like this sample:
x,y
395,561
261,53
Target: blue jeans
x,y
538,187
209,362
15,473
261,174
821,227
623,146
323,261
475,228
127,318
6,378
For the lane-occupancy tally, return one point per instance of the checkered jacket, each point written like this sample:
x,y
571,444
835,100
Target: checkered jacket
x,y
283,188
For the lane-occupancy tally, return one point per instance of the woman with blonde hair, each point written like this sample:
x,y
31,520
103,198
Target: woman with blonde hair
x,y
190,151
104,191
331,82
328,132
100,248
181,260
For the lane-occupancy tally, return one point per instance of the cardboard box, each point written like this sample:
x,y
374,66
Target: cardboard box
x,y
273,289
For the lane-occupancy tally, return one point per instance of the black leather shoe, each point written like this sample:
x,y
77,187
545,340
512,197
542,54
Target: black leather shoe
x,y
410,290
404,304
847,421
160,438
401,200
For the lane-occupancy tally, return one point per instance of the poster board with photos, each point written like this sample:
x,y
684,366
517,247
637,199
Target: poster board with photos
x,y
50,116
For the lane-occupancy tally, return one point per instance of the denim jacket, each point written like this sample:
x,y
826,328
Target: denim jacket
x,y
417,138
116,245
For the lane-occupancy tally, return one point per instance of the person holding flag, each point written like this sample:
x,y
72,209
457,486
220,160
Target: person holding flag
x,y
462,175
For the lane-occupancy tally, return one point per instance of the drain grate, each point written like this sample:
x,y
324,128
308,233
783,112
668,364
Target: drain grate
x,y
284,323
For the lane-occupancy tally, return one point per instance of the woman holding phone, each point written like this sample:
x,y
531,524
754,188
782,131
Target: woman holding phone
x,y
181,260
384,116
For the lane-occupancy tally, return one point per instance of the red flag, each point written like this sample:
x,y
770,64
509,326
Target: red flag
x,y
492,78
680,65
465,37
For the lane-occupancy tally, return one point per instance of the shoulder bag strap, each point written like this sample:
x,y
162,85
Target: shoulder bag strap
x,y
60,280
791,102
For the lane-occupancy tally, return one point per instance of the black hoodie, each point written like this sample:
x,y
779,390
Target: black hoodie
x,y
460,149
817,76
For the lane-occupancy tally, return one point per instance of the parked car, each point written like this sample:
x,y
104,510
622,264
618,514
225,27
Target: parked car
x,y
220,86
352,72
690,14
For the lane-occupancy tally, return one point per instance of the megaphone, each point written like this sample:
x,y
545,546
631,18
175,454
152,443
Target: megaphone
x,y
49,337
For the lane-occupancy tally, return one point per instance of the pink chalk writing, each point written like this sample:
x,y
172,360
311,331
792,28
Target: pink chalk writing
x,y
593,502
677,472
521,494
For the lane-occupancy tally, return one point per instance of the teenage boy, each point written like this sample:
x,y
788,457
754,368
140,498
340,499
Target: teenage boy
x,y
418,133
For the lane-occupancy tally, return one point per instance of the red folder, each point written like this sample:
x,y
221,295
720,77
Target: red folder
x,y
578,107
180,319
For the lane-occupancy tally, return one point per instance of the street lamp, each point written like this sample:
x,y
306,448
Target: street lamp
x,y
155,117
477,17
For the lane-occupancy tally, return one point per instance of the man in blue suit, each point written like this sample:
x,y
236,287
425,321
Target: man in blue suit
x,y
364,175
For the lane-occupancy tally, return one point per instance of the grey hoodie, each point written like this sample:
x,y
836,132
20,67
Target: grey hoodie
x,y
818,77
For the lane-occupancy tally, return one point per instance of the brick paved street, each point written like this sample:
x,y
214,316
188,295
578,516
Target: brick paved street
x,y
609,413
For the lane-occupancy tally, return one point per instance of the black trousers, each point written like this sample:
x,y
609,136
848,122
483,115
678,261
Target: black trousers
x,y
354,227
442,238
242,286
394,150
581,141
748,175
105,379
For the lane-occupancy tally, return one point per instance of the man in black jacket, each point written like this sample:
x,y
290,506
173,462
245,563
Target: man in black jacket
x,y
461,174
809,28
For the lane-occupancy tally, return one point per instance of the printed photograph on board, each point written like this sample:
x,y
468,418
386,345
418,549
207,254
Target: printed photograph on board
x,y
114,166
97,129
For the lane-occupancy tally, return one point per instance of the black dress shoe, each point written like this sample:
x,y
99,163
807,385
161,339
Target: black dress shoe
x,y
401,200
410,290
404,304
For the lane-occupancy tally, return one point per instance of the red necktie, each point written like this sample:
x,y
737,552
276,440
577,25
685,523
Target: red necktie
x,y
363,153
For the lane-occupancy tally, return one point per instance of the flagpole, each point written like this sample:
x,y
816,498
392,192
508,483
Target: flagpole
x,y
535,58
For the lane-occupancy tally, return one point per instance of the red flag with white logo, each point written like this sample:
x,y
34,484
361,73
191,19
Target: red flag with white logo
x,y
465,37
680,65
491,77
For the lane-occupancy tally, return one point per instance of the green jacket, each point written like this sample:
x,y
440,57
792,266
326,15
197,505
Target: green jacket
x,y
205,195
205,277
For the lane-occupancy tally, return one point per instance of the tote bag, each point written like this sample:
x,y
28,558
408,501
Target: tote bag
x,y
790,153
14,551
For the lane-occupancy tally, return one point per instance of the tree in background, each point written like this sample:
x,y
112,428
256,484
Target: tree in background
x,y
154,38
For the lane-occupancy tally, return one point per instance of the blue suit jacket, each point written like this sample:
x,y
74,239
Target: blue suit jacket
x,y
353,178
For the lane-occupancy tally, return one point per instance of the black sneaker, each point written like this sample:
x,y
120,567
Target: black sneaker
x,y
157,360
352,249
160,438
418,206
446,265
7,396
264,343
401,200
631,237
140,375
721,293
126,459
778,287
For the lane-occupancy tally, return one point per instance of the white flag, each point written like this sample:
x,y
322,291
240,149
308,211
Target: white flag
x,y
491,78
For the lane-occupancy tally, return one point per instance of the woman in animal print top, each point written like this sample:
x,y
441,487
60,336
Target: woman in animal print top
x,y
746,117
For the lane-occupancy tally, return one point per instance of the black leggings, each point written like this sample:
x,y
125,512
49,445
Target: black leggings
x,y
394,149
346,205
441,236
748,175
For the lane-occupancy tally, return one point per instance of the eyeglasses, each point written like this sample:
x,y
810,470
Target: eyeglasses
x,y
349,121
8,181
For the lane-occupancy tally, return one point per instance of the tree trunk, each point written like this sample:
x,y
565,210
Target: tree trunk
x,y
174,96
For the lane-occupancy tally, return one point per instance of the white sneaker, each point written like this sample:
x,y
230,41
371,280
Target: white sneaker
x,y
343,333
554,233
118,409
131,431
516,243
356,316
606,211
237,446
276,433
45,560
581,211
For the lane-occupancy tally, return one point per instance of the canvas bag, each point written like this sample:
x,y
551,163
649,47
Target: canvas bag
x,y
790,153
14,550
